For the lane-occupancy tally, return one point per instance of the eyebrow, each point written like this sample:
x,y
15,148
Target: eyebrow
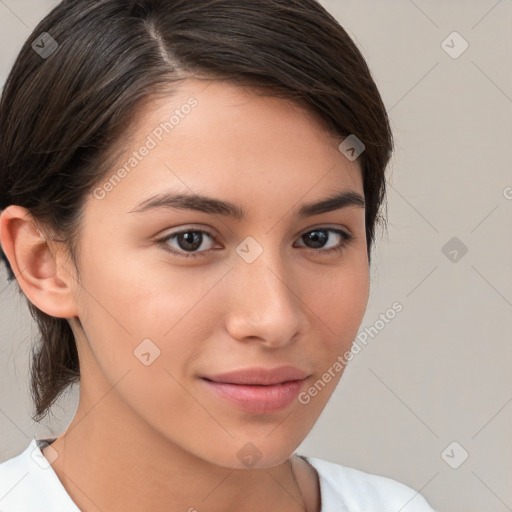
x,y
201,203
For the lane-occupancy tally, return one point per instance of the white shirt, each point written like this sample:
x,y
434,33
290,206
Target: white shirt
x,y
28,483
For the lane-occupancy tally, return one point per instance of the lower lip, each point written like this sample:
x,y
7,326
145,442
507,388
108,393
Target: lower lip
x,y
258,399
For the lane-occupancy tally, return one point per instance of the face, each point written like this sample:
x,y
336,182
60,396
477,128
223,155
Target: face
x,y
175,293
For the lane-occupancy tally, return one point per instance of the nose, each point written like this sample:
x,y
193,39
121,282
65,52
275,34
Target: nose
x,y
265,304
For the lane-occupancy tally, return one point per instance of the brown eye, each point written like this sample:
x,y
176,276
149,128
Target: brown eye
x,y
317,239
189,240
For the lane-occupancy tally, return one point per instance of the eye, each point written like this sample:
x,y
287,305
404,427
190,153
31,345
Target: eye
x,y
318,237
187,240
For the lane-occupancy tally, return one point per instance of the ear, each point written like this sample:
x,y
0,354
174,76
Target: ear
x,y
37,263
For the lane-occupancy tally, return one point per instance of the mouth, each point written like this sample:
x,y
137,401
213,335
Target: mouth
x,y
258,390
259,376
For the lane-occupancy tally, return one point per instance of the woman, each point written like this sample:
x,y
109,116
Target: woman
x,y
189,195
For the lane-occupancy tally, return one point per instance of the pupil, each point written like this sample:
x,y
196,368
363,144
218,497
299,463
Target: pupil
x,y
319,238
190,237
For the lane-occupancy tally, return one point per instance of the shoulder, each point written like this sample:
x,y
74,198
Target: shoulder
x,y
28,483
12,473
357,491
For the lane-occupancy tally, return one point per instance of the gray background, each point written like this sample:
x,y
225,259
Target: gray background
x,y
439,372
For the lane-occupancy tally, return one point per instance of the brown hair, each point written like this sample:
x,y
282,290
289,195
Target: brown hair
x,y
63,112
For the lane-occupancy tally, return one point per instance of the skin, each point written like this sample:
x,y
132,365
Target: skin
x,y
154,433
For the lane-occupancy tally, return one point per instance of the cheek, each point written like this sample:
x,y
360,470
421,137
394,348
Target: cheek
x,y
144,295
337,304
141,308
338,298
143,332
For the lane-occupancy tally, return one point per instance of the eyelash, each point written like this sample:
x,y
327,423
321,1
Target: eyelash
x,y
347,239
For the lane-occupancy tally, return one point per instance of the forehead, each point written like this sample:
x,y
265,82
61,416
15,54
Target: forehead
x,y
222,139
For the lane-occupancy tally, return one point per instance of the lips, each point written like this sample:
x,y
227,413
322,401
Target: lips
x,y
259,376
257,390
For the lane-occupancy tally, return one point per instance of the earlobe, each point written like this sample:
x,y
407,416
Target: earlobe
x,y
36,263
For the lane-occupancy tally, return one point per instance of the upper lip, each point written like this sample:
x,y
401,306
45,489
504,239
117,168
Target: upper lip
x,y
259,376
